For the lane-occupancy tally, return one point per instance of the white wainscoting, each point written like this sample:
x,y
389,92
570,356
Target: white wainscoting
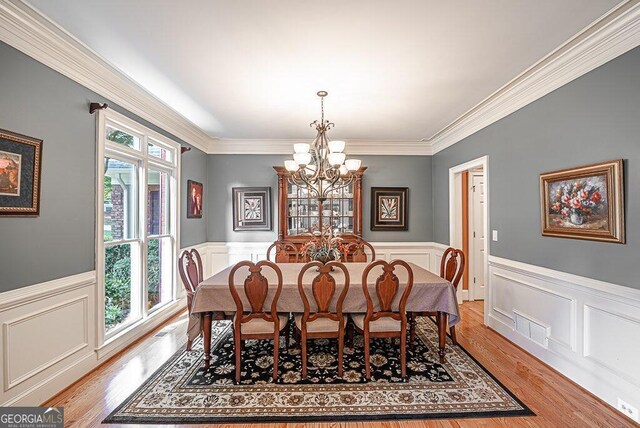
x,y
588,330
49,337
218,255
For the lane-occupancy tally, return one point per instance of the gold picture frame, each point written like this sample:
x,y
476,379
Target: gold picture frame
x,y
20,174
586,202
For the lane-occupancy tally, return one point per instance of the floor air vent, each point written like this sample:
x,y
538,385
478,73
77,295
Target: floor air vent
x,y
533,330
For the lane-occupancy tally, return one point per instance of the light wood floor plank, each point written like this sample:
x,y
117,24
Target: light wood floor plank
x,y
556,400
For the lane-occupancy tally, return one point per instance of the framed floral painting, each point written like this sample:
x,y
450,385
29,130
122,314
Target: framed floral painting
x,y
389,208
251,208
20,171
584,203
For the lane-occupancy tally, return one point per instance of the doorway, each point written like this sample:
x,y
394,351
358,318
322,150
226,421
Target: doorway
x,y
475,234
468,223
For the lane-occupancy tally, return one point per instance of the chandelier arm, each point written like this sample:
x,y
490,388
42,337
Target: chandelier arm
x,y
338,182
318,169
301,181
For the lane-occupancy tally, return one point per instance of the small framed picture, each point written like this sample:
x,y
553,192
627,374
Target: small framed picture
x,y
20,171
389,208
251,208
586,202
194,199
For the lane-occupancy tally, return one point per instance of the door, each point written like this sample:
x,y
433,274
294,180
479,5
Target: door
x,y
476,244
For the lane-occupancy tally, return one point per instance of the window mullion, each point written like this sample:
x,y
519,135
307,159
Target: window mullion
x,y
144,218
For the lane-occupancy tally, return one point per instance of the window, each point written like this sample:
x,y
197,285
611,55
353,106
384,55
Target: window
x,y
137,221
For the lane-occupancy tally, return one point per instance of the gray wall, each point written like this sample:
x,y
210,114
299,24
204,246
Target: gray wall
x,y
413,172
42,103
194,167
594,118
227,171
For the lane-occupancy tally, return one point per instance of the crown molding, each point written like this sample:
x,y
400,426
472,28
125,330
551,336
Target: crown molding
x,y
613,34
24,28
27,30
354,147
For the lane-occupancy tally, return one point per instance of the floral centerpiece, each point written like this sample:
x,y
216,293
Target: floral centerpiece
x,y
325,246
577,201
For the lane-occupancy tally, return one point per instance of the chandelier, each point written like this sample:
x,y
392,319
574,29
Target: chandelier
x,y
321,167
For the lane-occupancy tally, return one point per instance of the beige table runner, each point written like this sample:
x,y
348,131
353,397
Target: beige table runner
x,y
430,293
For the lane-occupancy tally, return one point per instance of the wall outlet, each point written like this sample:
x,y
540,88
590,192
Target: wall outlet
x,y
495,235
628,410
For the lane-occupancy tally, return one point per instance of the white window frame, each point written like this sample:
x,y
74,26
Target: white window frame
x,y
145,162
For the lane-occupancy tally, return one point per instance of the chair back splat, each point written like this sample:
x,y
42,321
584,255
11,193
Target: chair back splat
x,y
387,286
190,268
450,268
284,252
323,288
256,288
357,252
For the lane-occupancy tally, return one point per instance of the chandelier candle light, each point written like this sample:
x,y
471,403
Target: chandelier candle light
x,y
321,167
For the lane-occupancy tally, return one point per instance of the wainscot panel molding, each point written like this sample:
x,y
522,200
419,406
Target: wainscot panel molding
x,y
586,329
24,28
49,337
218,255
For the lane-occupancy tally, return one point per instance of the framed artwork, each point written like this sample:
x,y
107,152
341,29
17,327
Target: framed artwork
x,y
584,203
20,171
251,208
389,208
194,199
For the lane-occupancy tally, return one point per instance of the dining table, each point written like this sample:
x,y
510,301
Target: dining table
x,y
430,293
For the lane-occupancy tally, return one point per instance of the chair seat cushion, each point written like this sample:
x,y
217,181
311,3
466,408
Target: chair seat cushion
x,y
261,326
320,325
380,325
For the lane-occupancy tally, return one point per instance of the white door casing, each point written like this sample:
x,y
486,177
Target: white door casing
x,y
477,237
483,163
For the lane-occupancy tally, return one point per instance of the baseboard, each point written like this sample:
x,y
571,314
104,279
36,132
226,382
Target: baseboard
x,y
581,327
56,382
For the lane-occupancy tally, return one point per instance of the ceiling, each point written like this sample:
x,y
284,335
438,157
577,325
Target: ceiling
x,y
250,69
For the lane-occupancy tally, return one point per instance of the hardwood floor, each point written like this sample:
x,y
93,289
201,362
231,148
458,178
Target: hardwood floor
x,y
556,401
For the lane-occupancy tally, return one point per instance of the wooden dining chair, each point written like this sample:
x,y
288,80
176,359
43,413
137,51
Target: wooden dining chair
x,y
284,252
451,269
255,322
381,320
356,251
322,322
190,268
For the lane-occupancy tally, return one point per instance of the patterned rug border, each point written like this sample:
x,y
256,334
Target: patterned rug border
x,y
112,418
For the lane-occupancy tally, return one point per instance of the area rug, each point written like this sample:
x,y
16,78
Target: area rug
x,y
183,391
